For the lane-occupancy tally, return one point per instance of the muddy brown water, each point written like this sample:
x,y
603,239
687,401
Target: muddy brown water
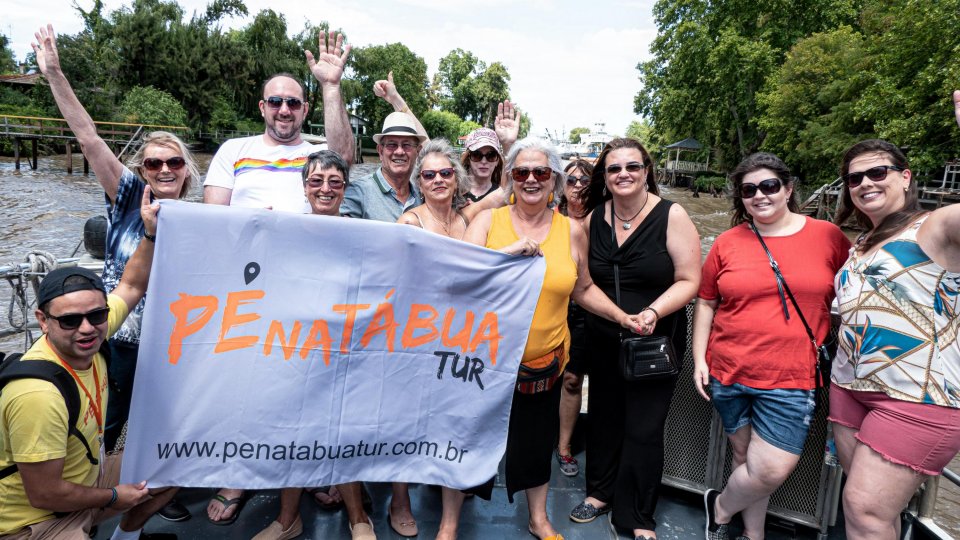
x,y
45,210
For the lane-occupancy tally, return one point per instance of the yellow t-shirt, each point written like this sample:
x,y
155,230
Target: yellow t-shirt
x,y
549,326
33,428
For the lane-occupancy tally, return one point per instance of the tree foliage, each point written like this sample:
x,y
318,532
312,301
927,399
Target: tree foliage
x,y
575,133
468,87
373,63
8,64
441,124
147,105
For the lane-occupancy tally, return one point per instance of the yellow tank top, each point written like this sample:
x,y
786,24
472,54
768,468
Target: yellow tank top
x,y
549,327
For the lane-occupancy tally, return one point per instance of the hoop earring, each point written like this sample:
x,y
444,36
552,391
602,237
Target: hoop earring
x,y
512,199
550,198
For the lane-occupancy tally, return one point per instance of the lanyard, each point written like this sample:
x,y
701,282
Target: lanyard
x,y
94,405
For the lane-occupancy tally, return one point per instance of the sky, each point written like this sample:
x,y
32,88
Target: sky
x,y
571,63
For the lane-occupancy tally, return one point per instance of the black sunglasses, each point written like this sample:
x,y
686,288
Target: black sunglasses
x,y
334,183
174,164
275,102
476,155
633,166
875,174
72,321
540,174
767,187
574,180
427,174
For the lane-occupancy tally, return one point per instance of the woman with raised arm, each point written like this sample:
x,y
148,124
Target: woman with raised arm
x,y
895,392
762,382
529,226
656,249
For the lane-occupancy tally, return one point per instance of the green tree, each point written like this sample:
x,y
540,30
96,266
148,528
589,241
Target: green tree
x,y
8,64
147,105
373,63
644,132
442,124
466,127
490,88
576,132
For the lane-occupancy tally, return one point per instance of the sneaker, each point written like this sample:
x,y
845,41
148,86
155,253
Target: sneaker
x,y
174,511
568,465
713,530
586,512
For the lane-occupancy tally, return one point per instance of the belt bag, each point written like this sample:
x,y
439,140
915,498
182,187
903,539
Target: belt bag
x,y
540,374
647,357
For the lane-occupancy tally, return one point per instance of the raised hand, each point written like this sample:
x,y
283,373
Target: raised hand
x,y
328,66
46,49
148,211
507,124
387,90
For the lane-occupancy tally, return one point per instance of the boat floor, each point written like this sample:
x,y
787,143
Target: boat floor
x,y
679,516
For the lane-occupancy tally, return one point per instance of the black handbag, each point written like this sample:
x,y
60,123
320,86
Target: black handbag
x,y
825,351
644,357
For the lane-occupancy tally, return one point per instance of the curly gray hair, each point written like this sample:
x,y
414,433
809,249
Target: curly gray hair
x,y
553,159
442,147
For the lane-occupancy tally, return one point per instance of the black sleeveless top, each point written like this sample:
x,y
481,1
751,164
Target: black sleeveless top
x,y
646,270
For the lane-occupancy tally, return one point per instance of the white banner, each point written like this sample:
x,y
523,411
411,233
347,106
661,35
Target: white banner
x,y
284,350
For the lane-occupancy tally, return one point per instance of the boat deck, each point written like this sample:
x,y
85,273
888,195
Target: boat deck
x,y
679,516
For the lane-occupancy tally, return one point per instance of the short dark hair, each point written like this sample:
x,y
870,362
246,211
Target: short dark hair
x,y
753,162
326,159
303,89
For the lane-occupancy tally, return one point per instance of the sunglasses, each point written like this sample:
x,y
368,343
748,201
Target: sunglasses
x,y
154,164
334,183
392,146
633,166
767,187
72,321
875,174
275,102
427,174
540,174
574,180
491,155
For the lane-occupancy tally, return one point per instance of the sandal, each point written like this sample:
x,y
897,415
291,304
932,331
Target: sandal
x,y
239,502
557,536
326,491
403,528
586,512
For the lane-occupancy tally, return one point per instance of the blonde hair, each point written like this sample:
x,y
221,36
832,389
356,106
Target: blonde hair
x,y
165,138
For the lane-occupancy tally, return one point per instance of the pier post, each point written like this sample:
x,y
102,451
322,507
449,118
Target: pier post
x,y
86,165
33,158
16,152
69,157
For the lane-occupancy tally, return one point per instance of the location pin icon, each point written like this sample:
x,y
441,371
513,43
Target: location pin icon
x,y
251,272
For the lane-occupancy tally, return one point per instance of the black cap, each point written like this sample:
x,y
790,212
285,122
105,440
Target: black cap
x,y
59,282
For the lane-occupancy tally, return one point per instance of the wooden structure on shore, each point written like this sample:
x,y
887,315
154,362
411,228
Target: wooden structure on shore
x,y
679,173
121,137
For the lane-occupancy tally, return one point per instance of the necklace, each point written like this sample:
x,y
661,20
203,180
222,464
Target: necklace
x,y
626,222
443,225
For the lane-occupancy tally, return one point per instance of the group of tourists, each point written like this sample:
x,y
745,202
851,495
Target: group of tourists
x,y
620,260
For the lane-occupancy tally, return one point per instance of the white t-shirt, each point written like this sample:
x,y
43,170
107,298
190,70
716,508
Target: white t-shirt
x,y
262,175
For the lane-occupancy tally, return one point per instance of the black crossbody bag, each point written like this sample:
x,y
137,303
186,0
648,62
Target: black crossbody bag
x,y
644,357
824,356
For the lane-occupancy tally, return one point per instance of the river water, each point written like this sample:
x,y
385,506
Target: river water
x,y
45,210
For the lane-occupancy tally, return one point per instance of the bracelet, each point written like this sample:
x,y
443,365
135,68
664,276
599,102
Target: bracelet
x,y
113,497
648,308
150,237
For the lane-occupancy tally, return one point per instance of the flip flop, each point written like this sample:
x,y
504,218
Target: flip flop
x,y
324,506
557,536
239,502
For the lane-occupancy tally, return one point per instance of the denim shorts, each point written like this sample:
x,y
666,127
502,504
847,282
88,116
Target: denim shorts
x,y
779,416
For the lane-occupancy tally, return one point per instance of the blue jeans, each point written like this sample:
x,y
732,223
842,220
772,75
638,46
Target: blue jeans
x,y
780,416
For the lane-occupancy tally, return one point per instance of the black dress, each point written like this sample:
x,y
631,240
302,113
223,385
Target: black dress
x,y
625,428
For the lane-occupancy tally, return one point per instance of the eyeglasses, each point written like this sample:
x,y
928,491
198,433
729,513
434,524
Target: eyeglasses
x,y
154,164
428,175
332,183
491,155
275,102
392,146
72,321
767,187
875,174
540,174
574,180
633,166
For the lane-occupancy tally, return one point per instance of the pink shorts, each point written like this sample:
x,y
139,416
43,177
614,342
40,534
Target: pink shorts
x,y
920,436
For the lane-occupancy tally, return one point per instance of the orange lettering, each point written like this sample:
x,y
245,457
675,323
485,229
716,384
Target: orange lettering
x,y
351,312
183,326
487,331
276,332
231,318
415,322
462,338
325,342
382,322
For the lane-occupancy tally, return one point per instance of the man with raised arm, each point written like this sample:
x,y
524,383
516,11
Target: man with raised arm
x,y
264,170
55,480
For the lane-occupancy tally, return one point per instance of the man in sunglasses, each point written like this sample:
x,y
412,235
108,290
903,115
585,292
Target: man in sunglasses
x,y
54,478
263,171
